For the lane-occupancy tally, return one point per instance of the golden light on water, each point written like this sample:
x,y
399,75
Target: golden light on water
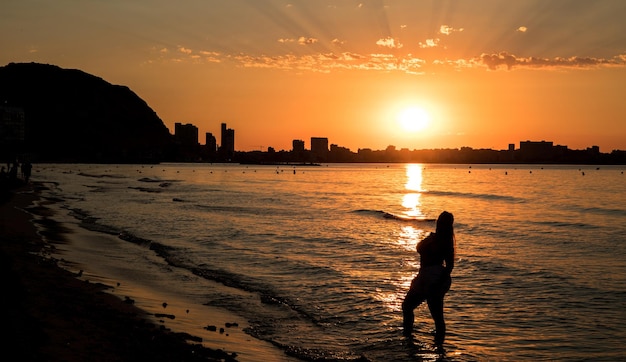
x,y
408,237
414,177
411,201
393,300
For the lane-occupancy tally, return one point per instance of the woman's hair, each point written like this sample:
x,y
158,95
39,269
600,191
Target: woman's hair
x,y
445,228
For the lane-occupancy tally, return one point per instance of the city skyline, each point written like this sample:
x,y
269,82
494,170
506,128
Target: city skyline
x,y
371,73
317,142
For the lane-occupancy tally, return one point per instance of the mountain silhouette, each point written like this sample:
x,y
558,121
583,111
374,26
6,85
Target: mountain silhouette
x,y
72,116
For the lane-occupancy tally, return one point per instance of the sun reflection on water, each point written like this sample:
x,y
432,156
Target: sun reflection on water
x,y
408,237
393,299
414,177
411,200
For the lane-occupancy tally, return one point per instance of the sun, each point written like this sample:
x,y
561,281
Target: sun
x,y
413,119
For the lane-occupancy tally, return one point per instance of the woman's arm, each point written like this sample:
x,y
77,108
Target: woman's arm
x,y
449,259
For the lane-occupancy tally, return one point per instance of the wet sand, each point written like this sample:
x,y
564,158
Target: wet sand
x,y
48,313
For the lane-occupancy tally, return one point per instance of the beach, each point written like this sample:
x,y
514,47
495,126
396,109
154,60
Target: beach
x,y
50,314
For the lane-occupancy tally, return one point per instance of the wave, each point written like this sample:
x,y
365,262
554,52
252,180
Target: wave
x,y
151,190
490,197
604,211
161,182
565,224
389,215
90,223
84,174
241,210
168,254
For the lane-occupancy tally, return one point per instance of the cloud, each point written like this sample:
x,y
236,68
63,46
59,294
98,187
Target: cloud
x,y
211,57
389,42
429,43
522,29
434,42
338,42
211,54
510,61
328,62
306,41
447,30
495,61
386,62
301,40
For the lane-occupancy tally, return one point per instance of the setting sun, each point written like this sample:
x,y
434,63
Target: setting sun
x,y
413,119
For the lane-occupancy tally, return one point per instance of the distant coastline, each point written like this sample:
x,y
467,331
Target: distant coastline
x,y
530,153
291,164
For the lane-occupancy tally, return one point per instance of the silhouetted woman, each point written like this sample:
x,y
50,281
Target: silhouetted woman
x,y
433,280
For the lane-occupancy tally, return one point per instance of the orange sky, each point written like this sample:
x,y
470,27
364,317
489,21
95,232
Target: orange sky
x,y
487,72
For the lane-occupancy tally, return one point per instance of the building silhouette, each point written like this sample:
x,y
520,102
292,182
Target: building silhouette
x,y
186,134
227,147
210,147
210,143
298,153
531,151
297,146
319,148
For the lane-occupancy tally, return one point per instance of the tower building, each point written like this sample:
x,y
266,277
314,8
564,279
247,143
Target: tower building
x,y
227,148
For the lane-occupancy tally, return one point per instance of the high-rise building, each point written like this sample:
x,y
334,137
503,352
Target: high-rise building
x,y
297,146
319,148
211,143
186,134
533,150
227,148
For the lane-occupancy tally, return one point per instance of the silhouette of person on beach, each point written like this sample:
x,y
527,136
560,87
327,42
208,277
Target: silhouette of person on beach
x,y
433,280
13,171
27,168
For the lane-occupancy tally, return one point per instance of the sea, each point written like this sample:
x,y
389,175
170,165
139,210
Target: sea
x,y
315,260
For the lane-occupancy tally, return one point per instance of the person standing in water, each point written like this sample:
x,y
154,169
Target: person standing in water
x,y
433,280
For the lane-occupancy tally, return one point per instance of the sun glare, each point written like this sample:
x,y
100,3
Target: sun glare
x,y
413,119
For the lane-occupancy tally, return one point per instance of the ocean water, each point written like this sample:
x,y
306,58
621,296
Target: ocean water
x,y
317,259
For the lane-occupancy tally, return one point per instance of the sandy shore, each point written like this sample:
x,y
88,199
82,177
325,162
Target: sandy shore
x,y
50,314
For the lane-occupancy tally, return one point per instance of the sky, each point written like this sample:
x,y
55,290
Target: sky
x,y
416,74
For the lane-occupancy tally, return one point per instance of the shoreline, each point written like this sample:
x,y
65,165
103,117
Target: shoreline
x,y
53,315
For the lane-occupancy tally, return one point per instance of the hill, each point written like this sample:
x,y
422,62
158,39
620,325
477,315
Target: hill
x,y
72,116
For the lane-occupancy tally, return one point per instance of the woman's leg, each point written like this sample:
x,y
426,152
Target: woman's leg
x,y
435,305
412,300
